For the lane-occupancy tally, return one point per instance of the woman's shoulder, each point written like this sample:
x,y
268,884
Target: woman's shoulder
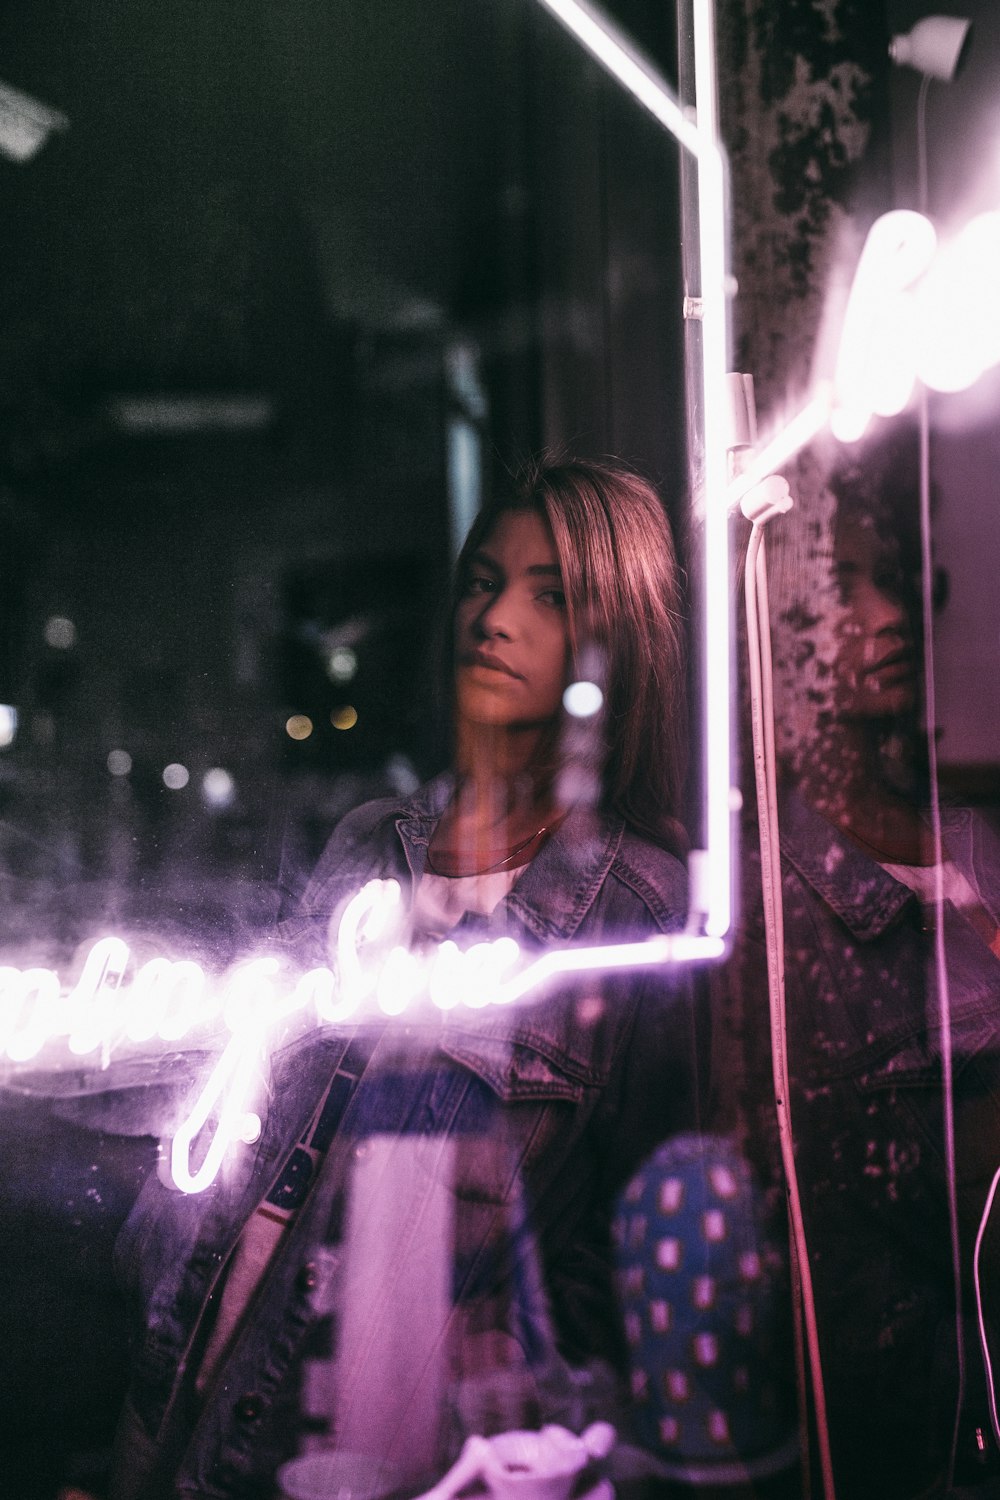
x,y
365,821
372,825
600,880
653,877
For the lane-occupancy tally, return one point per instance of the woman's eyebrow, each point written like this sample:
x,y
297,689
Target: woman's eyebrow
x,y
482,559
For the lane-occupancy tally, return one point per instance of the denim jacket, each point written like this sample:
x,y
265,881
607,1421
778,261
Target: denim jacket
x,y
552,1102
865,1043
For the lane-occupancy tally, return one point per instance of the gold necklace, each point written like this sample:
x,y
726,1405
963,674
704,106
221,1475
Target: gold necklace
x,y
499,864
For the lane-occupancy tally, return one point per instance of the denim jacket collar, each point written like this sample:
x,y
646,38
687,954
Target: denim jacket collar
x,y
560,885
852,883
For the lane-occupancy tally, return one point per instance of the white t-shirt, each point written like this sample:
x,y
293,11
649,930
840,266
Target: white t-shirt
x,y
442,900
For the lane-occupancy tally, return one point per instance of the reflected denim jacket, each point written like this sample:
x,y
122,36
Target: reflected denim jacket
x,y
556,1100
865,1036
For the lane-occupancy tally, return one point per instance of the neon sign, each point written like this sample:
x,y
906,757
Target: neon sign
x,y
918,309
711,868
168,1001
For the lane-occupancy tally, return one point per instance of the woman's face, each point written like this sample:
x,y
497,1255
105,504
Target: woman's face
x,y
512,650
875,668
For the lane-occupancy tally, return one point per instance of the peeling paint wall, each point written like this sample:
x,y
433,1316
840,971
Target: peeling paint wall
x,y
801,88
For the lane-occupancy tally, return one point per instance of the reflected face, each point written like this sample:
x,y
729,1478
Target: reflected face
x,y
512,650
875,667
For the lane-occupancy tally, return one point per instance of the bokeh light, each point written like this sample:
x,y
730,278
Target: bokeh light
x,y
342,664
217,787
299,727
119,762
583,699
60,633
176,776
345,717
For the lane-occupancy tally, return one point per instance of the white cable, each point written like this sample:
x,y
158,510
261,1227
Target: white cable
x,y
930,709
762,721
983,1340
940,955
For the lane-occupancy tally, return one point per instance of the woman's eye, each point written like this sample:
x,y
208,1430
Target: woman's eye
x,y
555,597
480,584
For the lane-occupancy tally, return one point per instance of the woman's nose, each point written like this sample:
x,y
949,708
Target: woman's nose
x,y
888,615
494,618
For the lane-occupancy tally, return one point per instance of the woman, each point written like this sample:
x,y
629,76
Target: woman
x,y
499,1135
866,1016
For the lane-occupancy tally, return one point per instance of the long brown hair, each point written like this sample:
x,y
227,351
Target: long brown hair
x,y
623,596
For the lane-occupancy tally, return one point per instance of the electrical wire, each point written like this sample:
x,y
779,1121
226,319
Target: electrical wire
x,y
937,842
940,952
981,1320
762,721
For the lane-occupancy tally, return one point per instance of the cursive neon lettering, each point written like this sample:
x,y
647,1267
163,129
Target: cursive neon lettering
x,y
169,1000
916,310
29,1011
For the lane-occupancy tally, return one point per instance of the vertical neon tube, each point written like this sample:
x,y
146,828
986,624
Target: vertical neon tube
x,y
715,351
601,39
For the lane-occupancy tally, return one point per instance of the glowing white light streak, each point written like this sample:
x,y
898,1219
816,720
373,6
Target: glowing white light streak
x,y
958,308
36,991
93,1016
166,1000
796,433
716,874
230,1082
608,47
170,1000
916,311
876,361
701,138
670,948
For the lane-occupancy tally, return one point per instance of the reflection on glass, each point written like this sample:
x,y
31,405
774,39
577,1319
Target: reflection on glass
x,y
890,951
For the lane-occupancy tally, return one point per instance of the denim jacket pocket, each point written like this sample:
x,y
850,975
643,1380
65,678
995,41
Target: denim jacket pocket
x,y
563,1048
515,1070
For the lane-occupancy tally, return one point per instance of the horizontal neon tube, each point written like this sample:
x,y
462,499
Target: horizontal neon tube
x,y
796,433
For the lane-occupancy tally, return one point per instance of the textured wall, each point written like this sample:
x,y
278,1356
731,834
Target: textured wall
x,y
801,88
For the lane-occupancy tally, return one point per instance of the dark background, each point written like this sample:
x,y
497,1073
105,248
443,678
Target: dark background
x,y
296,285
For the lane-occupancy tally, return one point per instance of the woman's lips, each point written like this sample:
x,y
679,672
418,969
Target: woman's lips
x,y
898,664
488,663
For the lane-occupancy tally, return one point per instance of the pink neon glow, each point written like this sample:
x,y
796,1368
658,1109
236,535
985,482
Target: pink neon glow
x,y
711,867
958,308
168,1001
916,310
597,34
795,434
876,361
